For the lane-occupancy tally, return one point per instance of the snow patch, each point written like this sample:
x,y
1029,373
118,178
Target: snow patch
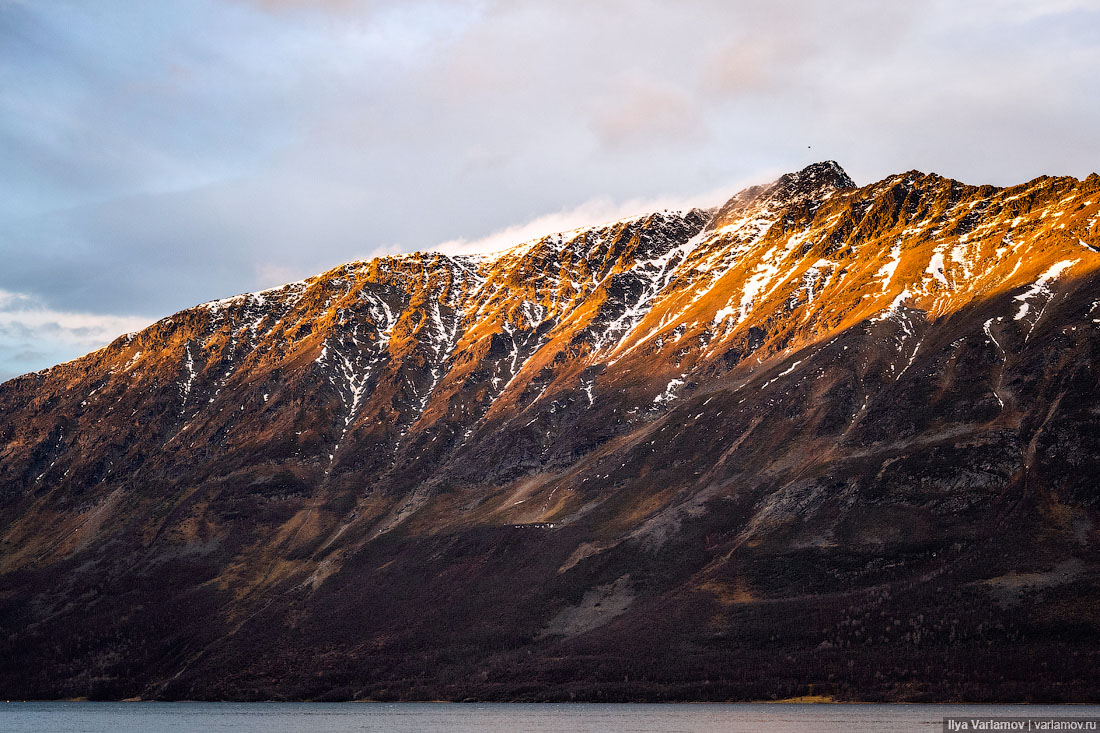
x,y
723,314
935,268
886,272
784,373
1040,287
670,391
894,309
190,364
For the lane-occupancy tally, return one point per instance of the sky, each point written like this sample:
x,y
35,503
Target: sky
x,y
158,155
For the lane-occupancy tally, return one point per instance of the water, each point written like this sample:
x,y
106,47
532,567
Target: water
x,y
93,717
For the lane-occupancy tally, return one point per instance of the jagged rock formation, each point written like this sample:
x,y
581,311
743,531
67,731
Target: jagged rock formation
x,y
825,436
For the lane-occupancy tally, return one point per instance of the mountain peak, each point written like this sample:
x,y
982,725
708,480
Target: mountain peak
x,y
823,173
814,183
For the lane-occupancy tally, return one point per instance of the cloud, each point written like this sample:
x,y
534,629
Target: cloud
x,y
314,6
160,154
1020,11
590,213
84,330
33,335
642,112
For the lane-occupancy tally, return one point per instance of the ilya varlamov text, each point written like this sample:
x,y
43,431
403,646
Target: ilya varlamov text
x,y
1021,724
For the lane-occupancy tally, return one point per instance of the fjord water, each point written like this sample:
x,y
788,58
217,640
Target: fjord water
x,y
92,717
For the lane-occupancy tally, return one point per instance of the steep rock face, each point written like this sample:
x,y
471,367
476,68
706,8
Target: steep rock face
x,y
502,476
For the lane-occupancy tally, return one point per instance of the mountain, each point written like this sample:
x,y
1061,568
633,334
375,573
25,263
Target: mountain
x,y
823,439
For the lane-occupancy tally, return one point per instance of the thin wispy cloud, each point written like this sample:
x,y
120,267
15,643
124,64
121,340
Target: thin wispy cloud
x,y
596,211
31,331
591,212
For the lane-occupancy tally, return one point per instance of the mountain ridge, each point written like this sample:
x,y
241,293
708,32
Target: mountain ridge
x,y
752,192
802,399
